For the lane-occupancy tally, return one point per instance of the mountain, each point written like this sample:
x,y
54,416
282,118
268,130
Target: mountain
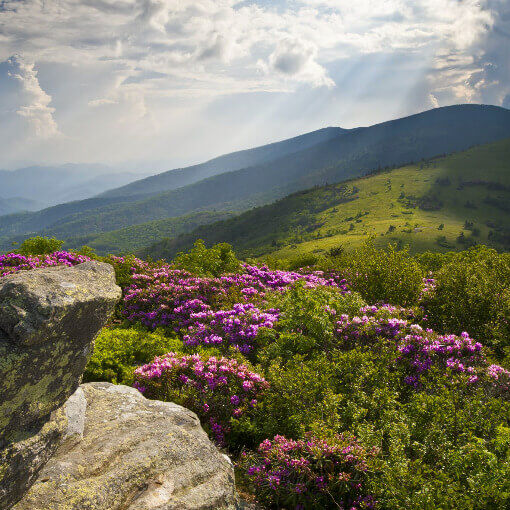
x,y
55,185
131,239
440,204
351,153
178,178
18,204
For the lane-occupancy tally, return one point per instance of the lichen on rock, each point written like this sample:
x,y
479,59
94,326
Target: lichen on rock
x,y
48,321
134,454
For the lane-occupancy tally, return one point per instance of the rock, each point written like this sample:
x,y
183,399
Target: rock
x,y
21,459
48,321
130,453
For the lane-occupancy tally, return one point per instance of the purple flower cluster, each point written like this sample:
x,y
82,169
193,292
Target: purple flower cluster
x,y
385,321
419,350
211,311
217,389
13,262
237,327
310,473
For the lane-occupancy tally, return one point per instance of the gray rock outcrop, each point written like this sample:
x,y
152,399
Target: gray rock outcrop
x,y
48,321
96,446
131,453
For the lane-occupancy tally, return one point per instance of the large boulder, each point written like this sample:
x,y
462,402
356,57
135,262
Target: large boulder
x,y
48,321
123,451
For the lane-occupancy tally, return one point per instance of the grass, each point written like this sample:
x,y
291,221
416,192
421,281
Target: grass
x,y
382,208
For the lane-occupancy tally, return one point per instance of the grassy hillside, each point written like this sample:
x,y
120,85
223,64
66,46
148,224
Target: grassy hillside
x,y
350,154
442,204
130,239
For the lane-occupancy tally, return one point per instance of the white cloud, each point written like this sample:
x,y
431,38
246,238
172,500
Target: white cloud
x,y
135,66
35,107
296,59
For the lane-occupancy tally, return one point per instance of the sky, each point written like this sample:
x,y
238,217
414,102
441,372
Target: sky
x,y
157,84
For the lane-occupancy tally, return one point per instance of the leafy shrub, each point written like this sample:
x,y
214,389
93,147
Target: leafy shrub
x,y
311,473
472,294
215,261
219,390
117,352
40,246
389,276
307,321
302,398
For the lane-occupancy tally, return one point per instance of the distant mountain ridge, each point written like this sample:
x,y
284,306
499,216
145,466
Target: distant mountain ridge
x,y
18,204
235,161
342,155
52,185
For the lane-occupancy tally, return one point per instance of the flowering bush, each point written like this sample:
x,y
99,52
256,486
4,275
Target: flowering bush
x,y
419,350
14,262
222,312
237,327
217,389
310,473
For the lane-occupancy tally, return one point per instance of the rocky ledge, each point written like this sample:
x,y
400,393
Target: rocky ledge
x,y
123,451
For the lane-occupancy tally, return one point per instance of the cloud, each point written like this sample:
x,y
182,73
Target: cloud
x,y
296,59
101,102
36,107
118,69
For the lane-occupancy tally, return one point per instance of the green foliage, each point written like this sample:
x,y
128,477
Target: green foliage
x,y
442,444
308,323
390,276
214,261
119,351
40,246
473,294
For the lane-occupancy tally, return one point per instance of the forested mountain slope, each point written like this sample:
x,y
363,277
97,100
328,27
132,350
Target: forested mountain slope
x,y
351,154
442,204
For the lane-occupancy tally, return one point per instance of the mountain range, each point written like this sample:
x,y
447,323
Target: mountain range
x,y
440,204
240,181
43,186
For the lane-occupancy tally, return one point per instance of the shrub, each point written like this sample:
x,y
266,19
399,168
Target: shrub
x,y
219,390
40,246
307,320
472,294
310,473
117,352
390,276
202,261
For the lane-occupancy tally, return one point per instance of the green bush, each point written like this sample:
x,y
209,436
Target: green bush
x,y
390,276
202,261
119,351
473,294
307,322
40,246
